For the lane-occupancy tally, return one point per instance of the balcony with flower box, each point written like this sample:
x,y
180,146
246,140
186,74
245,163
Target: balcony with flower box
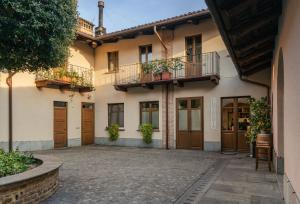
x,y
71,77
204,67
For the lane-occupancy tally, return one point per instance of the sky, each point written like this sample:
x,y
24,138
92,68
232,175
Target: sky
x,y
120,14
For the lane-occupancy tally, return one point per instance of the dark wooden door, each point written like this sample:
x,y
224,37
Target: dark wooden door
x,y
87,124
60,125
235,117
189,125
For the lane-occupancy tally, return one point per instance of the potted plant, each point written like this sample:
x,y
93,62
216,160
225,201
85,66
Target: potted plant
x,y
75,78
260,121
165,69
63,75
177,64
113,132
147,132
147,71
157,73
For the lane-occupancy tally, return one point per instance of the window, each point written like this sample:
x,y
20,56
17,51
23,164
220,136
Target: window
x,y
116,114
145,54
193,47
113,61
149,113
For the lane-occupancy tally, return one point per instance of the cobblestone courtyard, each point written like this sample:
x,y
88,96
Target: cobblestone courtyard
x,y
97,174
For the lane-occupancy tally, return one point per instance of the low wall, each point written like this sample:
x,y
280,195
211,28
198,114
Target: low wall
x,y
31,186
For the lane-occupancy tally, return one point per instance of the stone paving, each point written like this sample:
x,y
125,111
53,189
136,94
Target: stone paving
x,y
97,174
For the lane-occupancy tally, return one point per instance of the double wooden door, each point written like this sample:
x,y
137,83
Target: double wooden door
x,y
87,124
189,125
60,124
235,120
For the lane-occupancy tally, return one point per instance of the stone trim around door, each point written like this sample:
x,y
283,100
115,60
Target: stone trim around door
x,y
128,142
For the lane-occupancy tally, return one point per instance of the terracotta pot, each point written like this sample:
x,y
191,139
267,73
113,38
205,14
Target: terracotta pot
x,y
66,79
157,77
166,75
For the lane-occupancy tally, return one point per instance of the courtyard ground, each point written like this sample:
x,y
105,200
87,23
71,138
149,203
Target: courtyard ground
x,y
97,174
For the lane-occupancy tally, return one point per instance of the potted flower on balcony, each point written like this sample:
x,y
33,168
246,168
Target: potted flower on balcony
x,y
177,65
146,71
157,73
164,66
63,75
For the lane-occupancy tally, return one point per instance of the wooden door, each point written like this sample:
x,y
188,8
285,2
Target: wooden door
x,y
189,123
60,124
235,116
193,47
87,124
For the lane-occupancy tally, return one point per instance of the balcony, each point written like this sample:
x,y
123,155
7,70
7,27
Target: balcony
x,y
175,70
85,27
72,77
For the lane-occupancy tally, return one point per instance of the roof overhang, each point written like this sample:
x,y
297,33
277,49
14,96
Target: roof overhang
x,y
249,29
147,29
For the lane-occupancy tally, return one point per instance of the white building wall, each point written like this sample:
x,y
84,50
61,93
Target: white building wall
x,y
33,108
230,85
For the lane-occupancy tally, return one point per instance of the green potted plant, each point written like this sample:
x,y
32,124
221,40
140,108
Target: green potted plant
x,y
177,64
147,132
146,74
260,121
113,132
63,75
165,67
157,72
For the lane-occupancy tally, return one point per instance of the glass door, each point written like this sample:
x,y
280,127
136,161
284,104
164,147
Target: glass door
x,y
235,120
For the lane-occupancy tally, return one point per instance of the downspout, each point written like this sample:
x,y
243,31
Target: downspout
x,y
161,41
167,88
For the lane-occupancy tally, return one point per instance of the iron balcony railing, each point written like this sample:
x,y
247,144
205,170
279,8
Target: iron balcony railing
x,y
187,67
73,74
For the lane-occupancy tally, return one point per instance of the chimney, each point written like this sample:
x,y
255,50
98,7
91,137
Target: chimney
x,y
100,30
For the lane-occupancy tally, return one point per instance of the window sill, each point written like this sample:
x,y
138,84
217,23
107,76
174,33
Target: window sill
x,y
155,130
120,129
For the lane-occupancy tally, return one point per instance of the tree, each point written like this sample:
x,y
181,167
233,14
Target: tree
x,y
34,34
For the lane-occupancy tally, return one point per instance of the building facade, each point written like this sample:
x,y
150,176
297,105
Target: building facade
x,y
202,104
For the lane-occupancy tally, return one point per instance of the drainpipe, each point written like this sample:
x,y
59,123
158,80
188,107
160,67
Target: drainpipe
x,y
167,116
161,41
167,88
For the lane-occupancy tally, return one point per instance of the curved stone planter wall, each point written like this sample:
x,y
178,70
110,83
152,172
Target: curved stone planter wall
x,y
31,186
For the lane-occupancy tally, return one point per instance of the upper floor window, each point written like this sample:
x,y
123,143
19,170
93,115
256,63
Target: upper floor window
x,y
145,54
149,113
193,47
113,61
116,114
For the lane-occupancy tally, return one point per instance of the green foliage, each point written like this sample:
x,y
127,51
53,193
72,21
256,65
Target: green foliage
x,y
113,132
159,66
75,78
260,119
14,162
36,34
147,132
